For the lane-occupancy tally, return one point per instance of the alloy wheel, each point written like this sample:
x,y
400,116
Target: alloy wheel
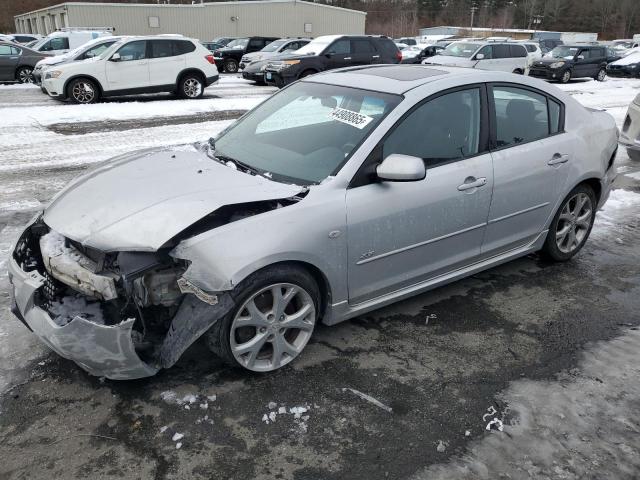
x,y
25,75
192,87
601,75
272,327
574,223
566,76
83,92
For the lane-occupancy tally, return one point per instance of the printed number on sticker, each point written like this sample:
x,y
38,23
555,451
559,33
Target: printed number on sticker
x,y
354,119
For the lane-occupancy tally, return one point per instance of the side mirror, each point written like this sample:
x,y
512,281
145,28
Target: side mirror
x,y
401,168
480,56
115,57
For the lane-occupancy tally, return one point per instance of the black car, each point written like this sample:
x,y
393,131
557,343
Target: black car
x,y
217,43
572,61
427,52
330,52
228,58
17,62
629,67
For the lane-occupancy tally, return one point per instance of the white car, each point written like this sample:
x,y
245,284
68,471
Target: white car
x,y
136,65
498,56
62,41
533,50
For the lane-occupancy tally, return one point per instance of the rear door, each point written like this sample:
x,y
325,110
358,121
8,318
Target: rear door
x,y
132,70
531,158
584,67
9,58
165,62
362,52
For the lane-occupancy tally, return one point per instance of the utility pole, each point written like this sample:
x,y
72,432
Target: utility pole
x,y
537,20
473,12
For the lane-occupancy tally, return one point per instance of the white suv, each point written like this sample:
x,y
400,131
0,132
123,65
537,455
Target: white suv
x,y
136,65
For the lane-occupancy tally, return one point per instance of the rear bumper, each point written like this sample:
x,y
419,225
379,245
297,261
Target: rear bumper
x,y
99,349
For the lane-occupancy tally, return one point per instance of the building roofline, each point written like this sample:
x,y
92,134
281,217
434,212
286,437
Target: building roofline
x,y
197,5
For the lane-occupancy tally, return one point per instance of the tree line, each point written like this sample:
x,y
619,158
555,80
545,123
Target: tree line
x,y
610,18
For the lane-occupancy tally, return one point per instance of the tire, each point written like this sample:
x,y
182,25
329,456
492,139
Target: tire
x,y
229,336
634,154
25,75
601,75
191,86
231,66
517,71
83,91
566,76
571,224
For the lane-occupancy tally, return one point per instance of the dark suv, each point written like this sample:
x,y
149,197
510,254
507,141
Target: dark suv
x,y
329,52
572,61
228,58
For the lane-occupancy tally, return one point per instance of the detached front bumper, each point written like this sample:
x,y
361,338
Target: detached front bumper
x,y
99,349
630,134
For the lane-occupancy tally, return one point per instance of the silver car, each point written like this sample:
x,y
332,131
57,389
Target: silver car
x,y
630,135
346,191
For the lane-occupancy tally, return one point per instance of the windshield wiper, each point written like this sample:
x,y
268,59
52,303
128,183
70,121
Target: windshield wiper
x,y
223,159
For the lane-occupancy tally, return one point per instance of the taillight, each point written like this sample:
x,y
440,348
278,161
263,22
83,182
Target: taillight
x,y
210,59
399,55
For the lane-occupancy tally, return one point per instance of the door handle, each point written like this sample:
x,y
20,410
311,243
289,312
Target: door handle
x,y
347,58
376,56
558,158
472,182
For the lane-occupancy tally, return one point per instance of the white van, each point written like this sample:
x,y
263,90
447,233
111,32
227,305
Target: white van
x,y
65,40
503,57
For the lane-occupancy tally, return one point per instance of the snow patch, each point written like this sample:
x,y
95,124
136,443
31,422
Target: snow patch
x,y
65,310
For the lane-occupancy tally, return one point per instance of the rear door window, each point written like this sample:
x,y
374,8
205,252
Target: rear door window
x,y
518,51
161,48
362,46
521,116
501,51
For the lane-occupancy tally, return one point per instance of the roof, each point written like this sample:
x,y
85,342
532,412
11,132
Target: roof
x,y
395,79
194,5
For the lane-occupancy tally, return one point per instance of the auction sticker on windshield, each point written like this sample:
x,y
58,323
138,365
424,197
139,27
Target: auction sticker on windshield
x,y
349,117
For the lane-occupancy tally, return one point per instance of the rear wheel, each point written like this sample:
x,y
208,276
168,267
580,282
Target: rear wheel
x,y
571,225
518,71
602,74
25,75
231,66
634,154
83,90
275,314
566,76
191,85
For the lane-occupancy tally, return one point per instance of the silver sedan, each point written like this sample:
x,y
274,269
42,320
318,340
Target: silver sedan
x,y
344,192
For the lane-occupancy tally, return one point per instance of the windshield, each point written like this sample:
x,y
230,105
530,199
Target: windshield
x,y
315,47
239,43
564,52
623,44
461,49
39,43
273,46
305,133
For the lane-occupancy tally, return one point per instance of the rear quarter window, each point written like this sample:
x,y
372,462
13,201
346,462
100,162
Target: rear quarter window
x,y
180,47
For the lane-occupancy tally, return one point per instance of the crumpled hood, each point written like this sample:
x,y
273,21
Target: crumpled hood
x,y
140,201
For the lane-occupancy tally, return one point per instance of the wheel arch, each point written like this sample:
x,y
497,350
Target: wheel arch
x,y
310,69
76,77
191,70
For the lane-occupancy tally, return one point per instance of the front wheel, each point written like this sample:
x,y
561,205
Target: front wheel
x,y
571,225
191,86
275,314
566,76
83,90
25,75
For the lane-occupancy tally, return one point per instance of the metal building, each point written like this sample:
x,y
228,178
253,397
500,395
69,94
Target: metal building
x,y
278,18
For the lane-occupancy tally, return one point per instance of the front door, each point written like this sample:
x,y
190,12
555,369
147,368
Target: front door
x,y
403,233
339,54
531,163
131,70
9,57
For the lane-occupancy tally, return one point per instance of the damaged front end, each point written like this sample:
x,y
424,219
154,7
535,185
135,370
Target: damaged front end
x,y
121,315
